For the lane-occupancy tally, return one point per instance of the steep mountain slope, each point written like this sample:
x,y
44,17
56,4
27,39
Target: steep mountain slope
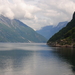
x,y
70,34
66,35
16,31
49,31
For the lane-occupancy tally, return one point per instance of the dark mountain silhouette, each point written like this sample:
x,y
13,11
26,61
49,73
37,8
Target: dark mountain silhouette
x,y
66,35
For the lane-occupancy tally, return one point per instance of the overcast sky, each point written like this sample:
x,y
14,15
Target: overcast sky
x,y
38,13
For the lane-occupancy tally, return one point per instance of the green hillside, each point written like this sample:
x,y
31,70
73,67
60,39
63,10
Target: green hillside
x,y
66,35
16,31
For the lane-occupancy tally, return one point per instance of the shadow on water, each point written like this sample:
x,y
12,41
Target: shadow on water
x,y
67,54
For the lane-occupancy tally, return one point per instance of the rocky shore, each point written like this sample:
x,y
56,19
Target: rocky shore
x,y
55,44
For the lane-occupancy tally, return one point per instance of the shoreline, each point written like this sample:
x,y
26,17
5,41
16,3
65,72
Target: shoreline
x,y
58,45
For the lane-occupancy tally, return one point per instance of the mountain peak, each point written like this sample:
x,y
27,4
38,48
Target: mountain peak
x,y
74,15
16,31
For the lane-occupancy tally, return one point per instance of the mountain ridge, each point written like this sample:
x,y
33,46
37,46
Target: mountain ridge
x,y
66,36
16,31
49,31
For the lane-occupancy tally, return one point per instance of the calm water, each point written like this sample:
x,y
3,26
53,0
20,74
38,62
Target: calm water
x,y
36,59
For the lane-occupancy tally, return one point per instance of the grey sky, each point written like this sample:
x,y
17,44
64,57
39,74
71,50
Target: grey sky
x,y
38,13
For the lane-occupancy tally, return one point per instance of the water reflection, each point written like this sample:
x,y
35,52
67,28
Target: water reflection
x,y
35,59
13,61
66,54
23,46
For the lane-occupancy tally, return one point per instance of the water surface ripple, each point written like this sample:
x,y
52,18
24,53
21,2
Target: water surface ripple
x,y
36,59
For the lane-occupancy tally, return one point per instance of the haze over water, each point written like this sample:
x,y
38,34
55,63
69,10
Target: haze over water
x,y
36,59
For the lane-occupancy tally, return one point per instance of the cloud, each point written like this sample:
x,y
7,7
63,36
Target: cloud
x,y
58,8
38,13
17,9
52,12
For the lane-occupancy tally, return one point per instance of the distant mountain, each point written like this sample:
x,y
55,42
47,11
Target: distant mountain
x,y
49,31
16,31
66,35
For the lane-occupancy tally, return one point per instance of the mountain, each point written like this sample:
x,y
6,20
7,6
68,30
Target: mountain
x,y
49,31
66,35
16,31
